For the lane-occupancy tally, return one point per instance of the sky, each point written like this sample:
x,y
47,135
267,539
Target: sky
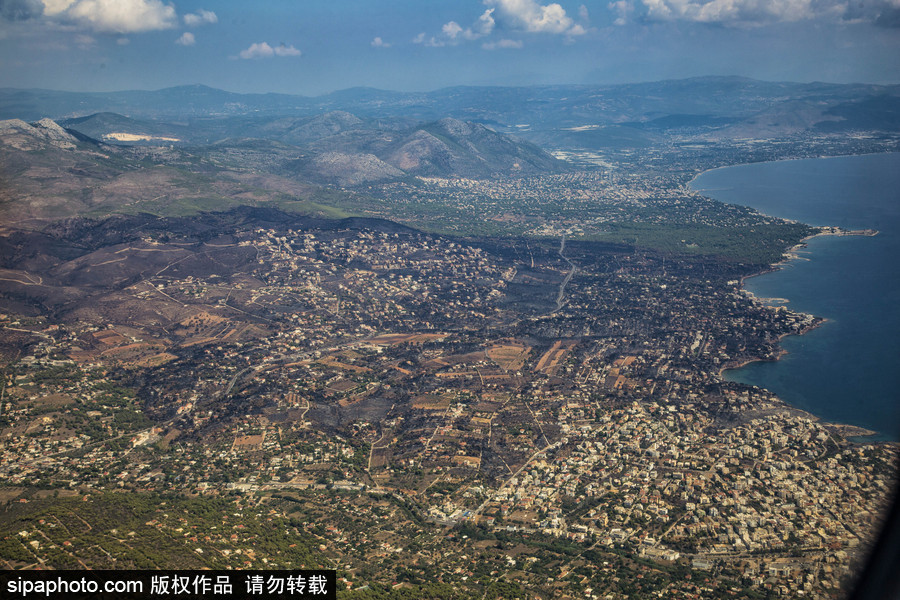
x,y
313,47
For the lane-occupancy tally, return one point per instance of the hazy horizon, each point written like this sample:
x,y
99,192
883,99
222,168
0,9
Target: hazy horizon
x,y
430,90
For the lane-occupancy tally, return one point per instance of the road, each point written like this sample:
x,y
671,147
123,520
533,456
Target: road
x,y
531,459
560,297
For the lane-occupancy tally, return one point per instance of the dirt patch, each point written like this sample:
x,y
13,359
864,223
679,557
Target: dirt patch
x,y
510,357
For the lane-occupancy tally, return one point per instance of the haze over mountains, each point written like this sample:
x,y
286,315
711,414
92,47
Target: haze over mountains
x,y
362,136
714,102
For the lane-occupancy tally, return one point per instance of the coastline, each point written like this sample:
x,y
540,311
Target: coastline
x,y
788,256
779,160
854,434
851,433
734,365
791,253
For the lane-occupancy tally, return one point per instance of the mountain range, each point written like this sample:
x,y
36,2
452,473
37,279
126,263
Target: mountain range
x,y
719,106
82,153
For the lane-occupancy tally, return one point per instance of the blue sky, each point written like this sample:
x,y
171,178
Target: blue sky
x,y
312,47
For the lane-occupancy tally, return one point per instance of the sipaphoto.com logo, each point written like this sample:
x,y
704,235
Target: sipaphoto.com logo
x,y
67,585
299,584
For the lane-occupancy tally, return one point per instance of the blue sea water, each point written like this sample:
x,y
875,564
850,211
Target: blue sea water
x,y
847,370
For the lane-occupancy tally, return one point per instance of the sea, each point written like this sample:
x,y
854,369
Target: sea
x,y
847,370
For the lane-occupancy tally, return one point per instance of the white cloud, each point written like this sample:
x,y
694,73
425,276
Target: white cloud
x,y
451,29
482,27
485,23
623,10
54,7
264,50
186,39
432,41
753,12
261,50
504,43
121,16
201,17
123,41
282,50
521,15
536,18
380,43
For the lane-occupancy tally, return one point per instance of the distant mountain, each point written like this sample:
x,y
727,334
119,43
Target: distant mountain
x,y
182,102
525,108
303,131
337,168
364,135
19,135
44,168
116,129
360,152
50,171
880,111
451,146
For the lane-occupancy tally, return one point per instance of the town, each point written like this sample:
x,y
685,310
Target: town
x,y
418,409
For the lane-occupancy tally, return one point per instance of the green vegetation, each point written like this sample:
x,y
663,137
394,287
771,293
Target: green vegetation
x,y
762,244
151,531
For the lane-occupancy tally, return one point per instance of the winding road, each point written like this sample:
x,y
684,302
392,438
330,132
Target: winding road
x,y
560,297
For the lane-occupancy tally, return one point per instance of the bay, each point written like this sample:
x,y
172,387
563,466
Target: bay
x,y
847,370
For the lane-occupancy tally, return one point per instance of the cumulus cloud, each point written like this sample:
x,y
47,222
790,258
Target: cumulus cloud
x,y
21,10
201,17
282,50
453,32
264,50
451,29
518,15
380,43
536,18
187,39
260,50
121,16
754,12
54,7
485,23
622,9
504,43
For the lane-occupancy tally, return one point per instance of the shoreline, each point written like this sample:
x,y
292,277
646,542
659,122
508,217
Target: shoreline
x,y
791,253
778,160
851,433
733,366
854,434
